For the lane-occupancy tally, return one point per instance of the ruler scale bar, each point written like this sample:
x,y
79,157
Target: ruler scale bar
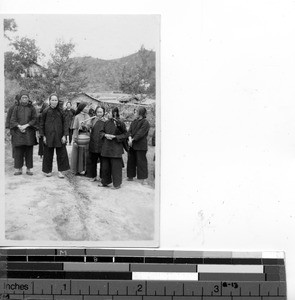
x,y
117,274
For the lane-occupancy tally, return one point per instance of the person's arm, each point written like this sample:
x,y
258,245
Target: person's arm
x,y
102,132
123,133
65,124
154,138
75,127
33,121
14,118
8,117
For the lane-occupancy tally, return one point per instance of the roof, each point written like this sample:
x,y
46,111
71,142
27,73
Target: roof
x,y
116,98
35,63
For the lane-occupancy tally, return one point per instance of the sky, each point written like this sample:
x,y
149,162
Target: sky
x,y
99,36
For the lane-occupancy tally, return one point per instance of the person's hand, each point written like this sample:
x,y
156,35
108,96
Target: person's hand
x,y
63,140
110,136
44,140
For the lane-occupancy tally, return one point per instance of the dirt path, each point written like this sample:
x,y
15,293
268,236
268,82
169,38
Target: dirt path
x,y
75,209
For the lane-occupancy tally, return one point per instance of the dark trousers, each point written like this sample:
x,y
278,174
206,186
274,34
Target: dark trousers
x,y
21,153
111,170
12,146
41,147
91,166
61,158
137,163
70,135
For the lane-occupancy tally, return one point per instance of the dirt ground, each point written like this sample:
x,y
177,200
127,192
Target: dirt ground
x,y
75,209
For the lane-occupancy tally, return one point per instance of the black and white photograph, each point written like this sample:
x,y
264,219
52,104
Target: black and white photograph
x,y
81,102
212,83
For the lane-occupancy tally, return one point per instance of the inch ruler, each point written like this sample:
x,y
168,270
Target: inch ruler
x,y
117,274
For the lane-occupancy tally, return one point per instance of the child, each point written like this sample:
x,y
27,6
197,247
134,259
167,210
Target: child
x,y
53,130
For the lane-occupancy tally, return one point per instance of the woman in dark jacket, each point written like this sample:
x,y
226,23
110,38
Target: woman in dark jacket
x,y
113,134
23,122
53,130
95,143
40,107
8,118
69,113
137,141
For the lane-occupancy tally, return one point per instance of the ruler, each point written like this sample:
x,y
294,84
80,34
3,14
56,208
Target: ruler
x,y
117,274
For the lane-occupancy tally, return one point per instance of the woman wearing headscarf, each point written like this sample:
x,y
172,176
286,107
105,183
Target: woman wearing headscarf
x,y
79,153
137,141
23,122
53,130
40,107
8,118
113,134
95,144
69,113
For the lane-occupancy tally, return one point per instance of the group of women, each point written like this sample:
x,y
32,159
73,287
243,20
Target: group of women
x,y
106,132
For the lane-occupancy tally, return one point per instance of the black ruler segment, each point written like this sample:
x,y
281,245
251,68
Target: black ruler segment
x,y
41,258
69,258
117,274
162,260
129,259
247,261
66,275
216,261
99,259
188,260
32,266
231,276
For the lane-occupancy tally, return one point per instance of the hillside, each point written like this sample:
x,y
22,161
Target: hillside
x,y
105,75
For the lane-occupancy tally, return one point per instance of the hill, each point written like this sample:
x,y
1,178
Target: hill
x,y
105,75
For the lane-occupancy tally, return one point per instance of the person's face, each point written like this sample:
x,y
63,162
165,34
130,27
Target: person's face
x,y
99,112
24,99
68,105
136,112
85,110
53,101
109,114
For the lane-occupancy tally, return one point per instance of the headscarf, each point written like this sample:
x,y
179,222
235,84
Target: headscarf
x,y
81,106
142,111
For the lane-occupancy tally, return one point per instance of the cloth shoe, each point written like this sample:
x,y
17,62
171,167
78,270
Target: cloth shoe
x,y
18,172
60,175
